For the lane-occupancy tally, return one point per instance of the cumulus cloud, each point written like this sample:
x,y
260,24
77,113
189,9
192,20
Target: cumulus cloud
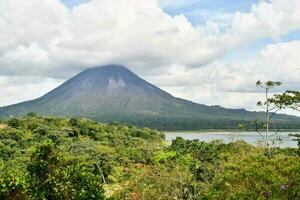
x,y
267,19
283,61
232,85
135,32
15,89
52,41
48,38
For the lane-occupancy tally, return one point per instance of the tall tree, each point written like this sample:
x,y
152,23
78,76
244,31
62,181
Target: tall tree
x,y
270,108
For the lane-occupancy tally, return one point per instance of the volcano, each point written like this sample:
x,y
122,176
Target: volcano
x,y
112,93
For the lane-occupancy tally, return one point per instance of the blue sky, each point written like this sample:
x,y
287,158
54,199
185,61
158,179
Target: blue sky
x,y
72,3
198,11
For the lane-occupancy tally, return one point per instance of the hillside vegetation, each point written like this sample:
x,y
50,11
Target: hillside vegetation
x,y
60,158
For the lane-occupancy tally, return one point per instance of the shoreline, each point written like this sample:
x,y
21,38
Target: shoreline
x,y
226,131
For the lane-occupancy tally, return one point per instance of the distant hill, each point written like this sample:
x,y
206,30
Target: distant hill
x,y
112,93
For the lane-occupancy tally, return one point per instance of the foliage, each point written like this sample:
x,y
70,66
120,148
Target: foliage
x,y
289,99
254,176
59,158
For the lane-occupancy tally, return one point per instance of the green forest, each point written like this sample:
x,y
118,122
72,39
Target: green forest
x,y
60,158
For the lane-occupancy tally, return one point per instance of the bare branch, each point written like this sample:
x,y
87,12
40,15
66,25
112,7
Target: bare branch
x,y
274,113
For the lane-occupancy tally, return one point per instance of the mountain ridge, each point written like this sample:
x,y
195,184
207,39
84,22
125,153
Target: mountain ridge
x,y
113,93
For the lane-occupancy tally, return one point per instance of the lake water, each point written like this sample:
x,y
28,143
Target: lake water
x,y
250,137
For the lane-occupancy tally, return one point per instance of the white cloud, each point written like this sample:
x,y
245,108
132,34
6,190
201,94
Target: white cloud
x,y
26,22
232,85
18,89
267,19
45,37
49,40
282,61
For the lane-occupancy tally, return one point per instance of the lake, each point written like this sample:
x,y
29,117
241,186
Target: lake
x,y
250,137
